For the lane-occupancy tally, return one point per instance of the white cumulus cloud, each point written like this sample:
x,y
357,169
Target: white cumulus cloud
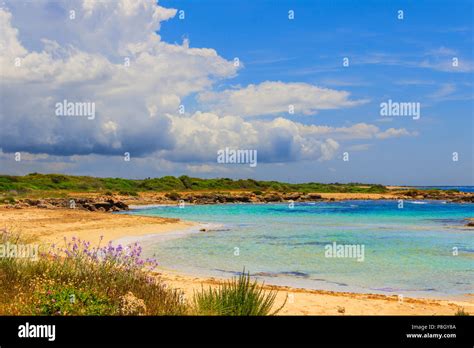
x,y
110,54
275,97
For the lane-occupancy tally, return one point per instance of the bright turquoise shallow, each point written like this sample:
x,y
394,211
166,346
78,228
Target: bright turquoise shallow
x,y
408,251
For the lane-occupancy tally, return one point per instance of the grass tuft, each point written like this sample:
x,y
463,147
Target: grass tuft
x,y
236,297
461,312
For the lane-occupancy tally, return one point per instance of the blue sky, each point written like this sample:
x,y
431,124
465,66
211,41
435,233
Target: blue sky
x,y
282,62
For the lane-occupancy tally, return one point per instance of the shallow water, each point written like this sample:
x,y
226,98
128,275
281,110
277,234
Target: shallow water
x,y
420,250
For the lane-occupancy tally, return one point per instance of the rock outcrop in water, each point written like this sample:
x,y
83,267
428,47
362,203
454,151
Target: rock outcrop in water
x,y
470,222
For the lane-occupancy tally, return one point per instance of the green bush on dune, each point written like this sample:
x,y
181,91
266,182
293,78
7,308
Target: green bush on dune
x,y
57,182
59,299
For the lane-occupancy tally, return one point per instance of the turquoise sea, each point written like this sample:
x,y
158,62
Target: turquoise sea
x,y
422,249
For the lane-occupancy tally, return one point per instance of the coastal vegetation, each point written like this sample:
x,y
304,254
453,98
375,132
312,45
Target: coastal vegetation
x,y
31,183
78,279
113,194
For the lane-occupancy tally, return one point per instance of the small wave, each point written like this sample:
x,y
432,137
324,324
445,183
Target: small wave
x,y
146,206
267,237
309,243
418,202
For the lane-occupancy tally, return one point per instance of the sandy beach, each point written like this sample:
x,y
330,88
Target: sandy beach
x,y
46,226
321,302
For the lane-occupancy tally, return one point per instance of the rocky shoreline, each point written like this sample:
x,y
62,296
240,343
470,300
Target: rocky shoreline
x,y
274,197
89,204
114,203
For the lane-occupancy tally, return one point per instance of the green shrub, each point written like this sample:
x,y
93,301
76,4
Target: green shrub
x,y
238,296
67,300
56,179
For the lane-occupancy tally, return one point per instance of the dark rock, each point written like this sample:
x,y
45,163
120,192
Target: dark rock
x,y
243,198
292,196
272,198
470,222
